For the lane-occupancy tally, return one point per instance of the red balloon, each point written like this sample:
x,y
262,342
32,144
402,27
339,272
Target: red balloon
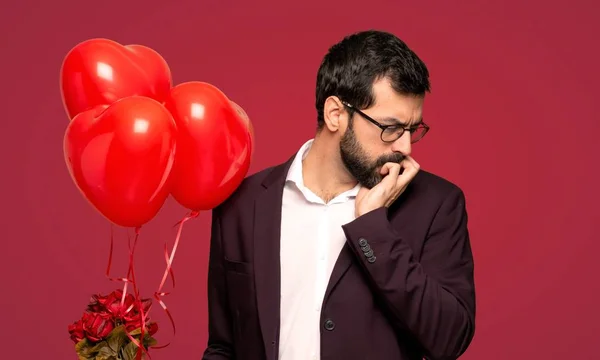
x,y
248,123
101,71
120,157
214,146
244,116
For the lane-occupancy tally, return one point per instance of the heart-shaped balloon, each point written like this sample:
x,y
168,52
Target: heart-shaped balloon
x,y
120,157
214,145
101,71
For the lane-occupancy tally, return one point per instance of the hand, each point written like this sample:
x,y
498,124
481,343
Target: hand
x,y
389,189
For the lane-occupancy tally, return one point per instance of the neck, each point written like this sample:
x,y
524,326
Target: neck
x,y
323,171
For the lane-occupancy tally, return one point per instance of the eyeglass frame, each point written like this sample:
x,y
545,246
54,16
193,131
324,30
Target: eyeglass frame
x,y
385,127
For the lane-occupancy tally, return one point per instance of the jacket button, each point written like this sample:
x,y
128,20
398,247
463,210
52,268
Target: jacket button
x,y
329,325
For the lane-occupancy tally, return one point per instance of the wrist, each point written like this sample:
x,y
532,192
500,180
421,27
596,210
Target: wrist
x,y
360,211
373,226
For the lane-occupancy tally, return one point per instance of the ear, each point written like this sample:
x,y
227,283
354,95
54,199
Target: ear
x,y
333,112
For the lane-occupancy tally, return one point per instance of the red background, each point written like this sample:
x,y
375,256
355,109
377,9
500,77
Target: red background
x,y
513,123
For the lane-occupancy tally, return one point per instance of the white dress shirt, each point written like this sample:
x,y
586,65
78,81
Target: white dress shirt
x,y
311,240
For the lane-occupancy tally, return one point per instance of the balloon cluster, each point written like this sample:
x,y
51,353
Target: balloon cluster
x,y
134,138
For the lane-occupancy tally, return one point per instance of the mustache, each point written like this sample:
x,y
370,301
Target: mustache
x,y
393,158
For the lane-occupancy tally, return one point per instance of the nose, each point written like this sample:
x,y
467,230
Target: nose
x,y
403,144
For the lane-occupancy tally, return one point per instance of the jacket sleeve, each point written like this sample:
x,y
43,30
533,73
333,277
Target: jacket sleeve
x,y
434,298
220,339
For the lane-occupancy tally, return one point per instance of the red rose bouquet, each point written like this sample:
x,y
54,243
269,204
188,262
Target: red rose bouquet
x,y
112,326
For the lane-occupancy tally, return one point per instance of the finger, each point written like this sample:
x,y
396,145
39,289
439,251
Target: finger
x,y
412,161
411,168
389,180
385,169
390,168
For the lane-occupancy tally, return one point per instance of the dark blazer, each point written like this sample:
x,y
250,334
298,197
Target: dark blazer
x,y
402,287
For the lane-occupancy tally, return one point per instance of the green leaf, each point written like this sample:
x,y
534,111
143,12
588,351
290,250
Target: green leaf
x,y
122,354
149,341
117,338
81,346
130,351
99,346
117,331
137,331
84,350
81,356
106,353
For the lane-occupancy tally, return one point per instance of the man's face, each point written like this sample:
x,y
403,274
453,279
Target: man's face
x,y
361,148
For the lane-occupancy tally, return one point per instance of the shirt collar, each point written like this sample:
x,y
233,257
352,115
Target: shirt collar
x,y
295,172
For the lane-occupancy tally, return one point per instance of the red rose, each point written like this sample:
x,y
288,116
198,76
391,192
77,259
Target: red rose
x,y
76,331
135,312
98,304
104,313
134,321
152,328
111,304
96,326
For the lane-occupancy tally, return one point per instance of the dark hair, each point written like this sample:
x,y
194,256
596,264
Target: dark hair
x,y
351,66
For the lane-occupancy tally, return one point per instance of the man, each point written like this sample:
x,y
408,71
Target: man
x,y
347,250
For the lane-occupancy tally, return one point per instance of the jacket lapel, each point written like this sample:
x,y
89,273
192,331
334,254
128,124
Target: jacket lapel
x,y
339,269
267,230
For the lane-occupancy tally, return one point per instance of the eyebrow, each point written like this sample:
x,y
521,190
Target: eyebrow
x,y
394,121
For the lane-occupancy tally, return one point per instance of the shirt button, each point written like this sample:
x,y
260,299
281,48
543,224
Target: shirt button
x,y
329,325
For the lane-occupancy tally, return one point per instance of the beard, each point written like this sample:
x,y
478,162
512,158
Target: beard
x,y
357,162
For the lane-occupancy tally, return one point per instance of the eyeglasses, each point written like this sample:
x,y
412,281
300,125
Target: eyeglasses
x,y
391,133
